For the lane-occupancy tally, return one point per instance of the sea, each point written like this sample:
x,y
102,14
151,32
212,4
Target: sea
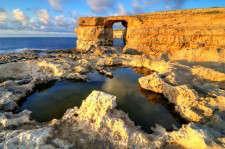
x,y
19,44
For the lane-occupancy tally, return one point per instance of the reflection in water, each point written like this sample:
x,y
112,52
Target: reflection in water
x,y
144,108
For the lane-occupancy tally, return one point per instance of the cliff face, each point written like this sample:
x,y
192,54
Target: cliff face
x,y
158,33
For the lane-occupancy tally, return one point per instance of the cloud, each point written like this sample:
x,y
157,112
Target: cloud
x,y
3,15
55,4
99,6
43,16
20,16
61,21
41,21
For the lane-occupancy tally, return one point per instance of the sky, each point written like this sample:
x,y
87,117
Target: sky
x,y
34,18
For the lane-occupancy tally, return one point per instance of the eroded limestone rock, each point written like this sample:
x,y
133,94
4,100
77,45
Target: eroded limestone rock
x,y
35,138
185,99
194,136
8,119
172,32
5,101
196,92
97,115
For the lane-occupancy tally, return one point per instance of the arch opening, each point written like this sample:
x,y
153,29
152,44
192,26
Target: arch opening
x,y
119,33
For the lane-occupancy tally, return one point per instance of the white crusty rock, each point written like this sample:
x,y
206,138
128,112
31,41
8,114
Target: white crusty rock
x,y
9,119
35,138
193,136
5,100
186,100
152,82
97,115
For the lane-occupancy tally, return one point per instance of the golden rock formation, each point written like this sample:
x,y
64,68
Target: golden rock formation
x,y
199,31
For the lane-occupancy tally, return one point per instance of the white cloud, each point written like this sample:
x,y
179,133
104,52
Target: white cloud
x,y
43,16
20,16
99,6
41,22
55,4
3,15
63,21
60,20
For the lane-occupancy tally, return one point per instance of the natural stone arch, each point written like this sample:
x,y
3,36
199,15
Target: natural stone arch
x,y
108,25
159,33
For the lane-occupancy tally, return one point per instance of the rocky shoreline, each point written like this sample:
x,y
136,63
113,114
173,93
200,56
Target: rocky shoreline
x,y
196,91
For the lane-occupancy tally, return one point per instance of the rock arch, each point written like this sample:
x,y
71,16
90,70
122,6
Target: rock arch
x,y
157,33
109,25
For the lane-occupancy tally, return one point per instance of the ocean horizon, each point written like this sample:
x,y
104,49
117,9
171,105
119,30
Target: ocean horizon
x,y
19,44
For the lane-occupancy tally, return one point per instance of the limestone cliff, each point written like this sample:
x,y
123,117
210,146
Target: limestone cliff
x,y
161,32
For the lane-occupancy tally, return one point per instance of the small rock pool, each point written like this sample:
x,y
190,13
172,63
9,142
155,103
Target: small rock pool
x,y
143,107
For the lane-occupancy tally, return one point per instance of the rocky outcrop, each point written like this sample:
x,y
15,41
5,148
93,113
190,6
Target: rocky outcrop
x,y
97,115
98,118
185,99
195,90
35,138
185,34
9,119
190,89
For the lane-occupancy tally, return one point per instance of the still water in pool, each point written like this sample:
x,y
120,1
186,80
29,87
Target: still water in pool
x,y
145,108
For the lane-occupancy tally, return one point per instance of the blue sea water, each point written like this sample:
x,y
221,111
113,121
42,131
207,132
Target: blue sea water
x,y
17,44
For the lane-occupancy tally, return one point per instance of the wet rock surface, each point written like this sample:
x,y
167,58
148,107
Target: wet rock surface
x,y
196,91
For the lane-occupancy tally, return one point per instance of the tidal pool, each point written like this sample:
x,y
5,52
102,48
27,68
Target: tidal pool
x,y
143,107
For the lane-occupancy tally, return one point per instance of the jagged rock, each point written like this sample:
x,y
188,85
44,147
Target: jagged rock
x,y
194,136
97,114
18,70
35,138
13,91
196,92
109,61
186,100
14,57
9,119
159,66
208,74
5,101
152,82
51,67
81,69
102,70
